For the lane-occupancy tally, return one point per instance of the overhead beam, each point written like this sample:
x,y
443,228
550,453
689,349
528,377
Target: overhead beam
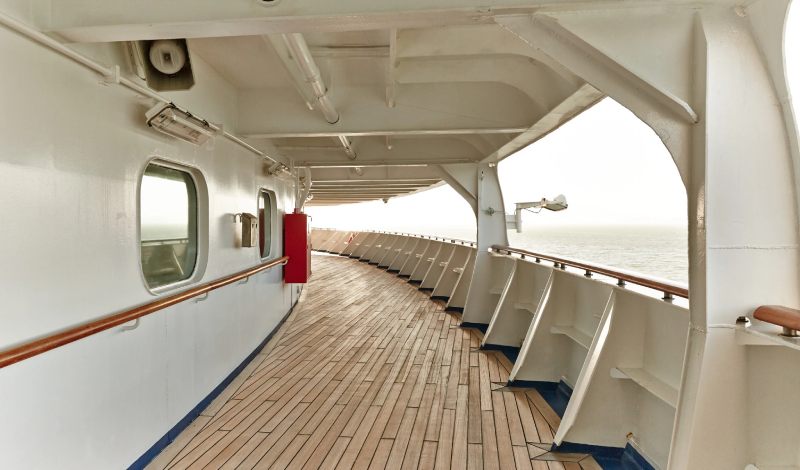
x,y
404,152
364,197
389,132
388,182
270,112
547,34
349,52
376,174
357,190
350,185
82,21
378,163
367,190
585,97
357,196
391,81
461,179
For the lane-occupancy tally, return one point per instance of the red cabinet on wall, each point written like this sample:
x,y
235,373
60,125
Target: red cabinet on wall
x,y
297,246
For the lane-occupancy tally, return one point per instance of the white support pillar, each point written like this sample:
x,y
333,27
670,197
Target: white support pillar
x,y
480,186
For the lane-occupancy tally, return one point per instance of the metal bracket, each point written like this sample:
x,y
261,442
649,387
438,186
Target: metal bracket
x,y
130,327
113,77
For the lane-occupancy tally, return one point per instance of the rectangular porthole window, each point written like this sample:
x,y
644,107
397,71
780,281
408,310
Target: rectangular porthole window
x,y
265,203
168,221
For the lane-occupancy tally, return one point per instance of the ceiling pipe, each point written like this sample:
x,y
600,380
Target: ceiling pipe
x,y
348,147
305,62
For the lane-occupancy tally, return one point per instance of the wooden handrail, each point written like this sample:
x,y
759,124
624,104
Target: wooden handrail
x,y
49,342
667,288
788,318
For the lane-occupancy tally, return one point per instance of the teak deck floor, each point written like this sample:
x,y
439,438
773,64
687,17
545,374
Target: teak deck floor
x,y
368,372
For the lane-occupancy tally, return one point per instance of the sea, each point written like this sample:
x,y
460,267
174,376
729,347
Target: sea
x,y
658,251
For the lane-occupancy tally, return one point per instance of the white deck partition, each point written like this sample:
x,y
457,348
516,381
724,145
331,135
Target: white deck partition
x,y
450,275
415,257
357,240
518,304
459,297
364,245
438,266
559,338
374,247
425,261
404,254
338,242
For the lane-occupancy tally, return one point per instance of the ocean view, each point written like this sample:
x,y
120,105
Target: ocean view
x,y
656,251
659,251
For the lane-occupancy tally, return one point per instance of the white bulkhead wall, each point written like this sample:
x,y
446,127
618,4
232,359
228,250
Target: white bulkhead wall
x,y
72,154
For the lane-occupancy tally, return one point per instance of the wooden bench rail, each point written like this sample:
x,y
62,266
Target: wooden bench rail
x,y
49,342
670,290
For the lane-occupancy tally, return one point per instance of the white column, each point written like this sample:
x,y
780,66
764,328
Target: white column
x,y
480,186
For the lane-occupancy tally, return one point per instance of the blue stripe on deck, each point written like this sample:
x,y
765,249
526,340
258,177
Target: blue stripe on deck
x,y
556,394
509,351
609,458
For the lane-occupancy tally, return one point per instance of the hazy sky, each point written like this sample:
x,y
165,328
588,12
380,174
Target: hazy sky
x,y
611,167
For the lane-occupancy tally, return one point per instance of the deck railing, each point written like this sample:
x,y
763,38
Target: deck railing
x,y
433,237
53,341
669,289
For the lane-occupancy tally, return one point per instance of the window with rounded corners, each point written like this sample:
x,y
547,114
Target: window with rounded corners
x,y
168,218
266,211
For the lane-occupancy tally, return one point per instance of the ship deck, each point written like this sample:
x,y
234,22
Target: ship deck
x,y
369,372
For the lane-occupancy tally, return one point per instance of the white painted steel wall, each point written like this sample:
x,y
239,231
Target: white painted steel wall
x,y
72,154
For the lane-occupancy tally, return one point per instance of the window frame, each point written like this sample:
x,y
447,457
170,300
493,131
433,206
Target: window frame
x,y
201,222
273,218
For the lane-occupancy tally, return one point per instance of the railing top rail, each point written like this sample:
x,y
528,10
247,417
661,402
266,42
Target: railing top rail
x,y
69,335
416,235
668,288
434,237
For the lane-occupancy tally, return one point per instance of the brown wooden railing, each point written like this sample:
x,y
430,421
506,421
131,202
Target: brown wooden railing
x,y
670,290
47,343
788,318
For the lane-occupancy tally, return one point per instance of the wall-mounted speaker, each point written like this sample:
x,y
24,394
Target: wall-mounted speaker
x,y
166,64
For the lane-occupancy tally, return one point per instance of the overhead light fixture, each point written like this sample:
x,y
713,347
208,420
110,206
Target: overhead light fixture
x,y
169,119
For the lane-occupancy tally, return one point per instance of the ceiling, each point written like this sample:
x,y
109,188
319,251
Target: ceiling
x,y
409,96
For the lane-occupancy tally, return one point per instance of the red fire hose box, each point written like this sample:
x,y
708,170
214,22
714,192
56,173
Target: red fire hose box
x,y
297,246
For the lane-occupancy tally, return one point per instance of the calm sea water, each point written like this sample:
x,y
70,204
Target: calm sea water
x,y
657,251
654,250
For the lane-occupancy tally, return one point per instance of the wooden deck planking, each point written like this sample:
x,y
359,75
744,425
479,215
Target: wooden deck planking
x,y
368,372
